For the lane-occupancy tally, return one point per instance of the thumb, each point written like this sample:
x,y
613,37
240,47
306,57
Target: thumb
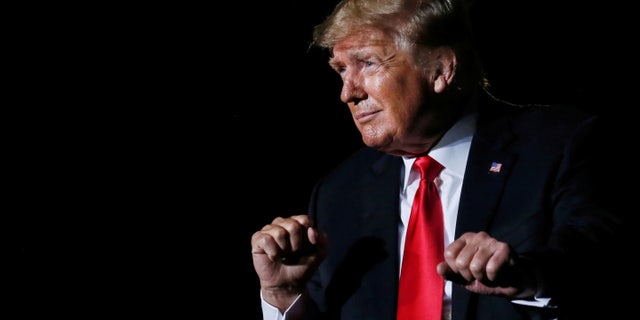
x,y
318,239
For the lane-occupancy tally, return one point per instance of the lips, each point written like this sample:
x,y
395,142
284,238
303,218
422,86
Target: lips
x,y
365,116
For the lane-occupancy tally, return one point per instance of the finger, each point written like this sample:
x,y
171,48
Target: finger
x,y
451,253
459,258
442,269
264,243
316,237
304,220
475,255
319,240
295,232
280,235
486,248
447,273
499,261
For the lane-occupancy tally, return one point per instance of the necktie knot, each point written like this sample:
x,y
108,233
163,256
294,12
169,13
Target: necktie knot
x,y
428,167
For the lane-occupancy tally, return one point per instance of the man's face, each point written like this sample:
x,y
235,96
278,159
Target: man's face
x,y
385,92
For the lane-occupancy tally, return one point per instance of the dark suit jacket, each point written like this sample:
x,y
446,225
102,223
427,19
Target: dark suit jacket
x,y
542,203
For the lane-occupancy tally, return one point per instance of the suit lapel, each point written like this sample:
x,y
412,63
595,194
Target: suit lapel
x,y
487,170
484,181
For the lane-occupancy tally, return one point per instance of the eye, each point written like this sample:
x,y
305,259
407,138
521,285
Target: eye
x,y
368,63
339,68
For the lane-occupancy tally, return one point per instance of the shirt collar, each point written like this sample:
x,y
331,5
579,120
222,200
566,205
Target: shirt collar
x,y
452,149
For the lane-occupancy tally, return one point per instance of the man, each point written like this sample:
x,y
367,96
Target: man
x,y
522,219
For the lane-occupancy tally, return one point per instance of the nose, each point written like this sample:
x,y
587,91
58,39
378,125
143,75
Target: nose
x,y
352,89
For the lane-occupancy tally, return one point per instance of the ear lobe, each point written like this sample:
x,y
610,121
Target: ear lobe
x,y
440,84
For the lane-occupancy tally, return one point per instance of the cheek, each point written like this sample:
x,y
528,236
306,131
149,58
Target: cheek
x,y
406,99
401,89
378,84
399,99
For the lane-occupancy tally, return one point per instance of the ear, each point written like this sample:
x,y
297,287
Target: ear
x,y
445,73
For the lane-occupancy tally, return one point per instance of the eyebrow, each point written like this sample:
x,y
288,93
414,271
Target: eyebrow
x,y
357,54
332,62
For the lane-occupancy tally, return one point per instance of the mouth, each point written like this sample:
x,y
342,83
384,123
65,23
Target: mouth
x,y
363,117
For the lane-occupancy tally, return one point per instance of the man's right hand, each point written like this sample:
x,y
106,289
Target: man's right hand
x,y
286,253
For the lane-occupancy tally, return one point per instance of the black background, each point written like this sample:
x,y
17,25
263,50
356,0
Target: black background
x,y
147,144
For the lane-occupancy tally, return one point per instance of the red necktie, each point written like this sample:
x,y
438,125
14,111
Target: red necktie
x,y
421,288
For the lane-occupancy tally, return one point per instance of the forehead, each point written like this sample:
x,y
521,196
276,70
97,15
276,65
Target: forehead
x,y
364,37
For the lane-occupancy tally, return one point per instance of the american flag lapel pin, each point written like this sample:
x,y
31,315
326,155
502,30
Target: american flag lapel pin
x,y
495,167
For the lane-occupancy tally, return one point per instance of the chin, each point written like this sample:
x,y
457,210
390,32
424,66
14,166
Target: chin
x,y
380,143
